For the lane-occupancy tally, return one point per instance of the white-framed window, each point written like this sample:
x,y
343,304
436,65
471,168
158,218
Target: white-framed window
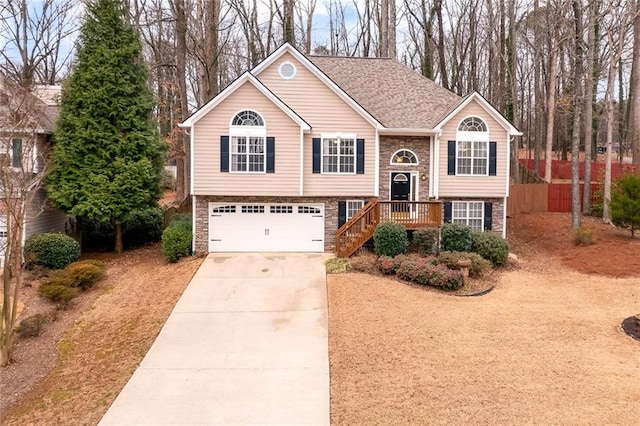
x,y
469,213
353,207
247,143
472,158
339,154
472,147
404,157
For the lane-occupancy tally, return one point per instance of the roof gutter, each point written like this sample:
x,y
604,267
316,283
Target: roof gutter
x,y
407,131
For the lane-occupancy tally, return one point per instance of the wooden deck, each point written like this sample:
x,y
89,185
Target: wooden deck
x,y
360,228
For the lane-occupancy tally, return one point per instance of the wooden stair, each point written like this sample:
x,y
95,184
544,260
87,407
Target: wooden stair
x,y
360,228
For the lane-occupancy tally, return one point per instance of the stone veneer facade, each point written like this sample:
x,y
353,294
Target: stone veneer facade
x,y
420,146
201,208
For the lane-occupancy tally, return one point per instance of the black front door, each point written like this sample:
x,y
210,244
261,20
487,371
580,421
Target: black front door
x,y
400,190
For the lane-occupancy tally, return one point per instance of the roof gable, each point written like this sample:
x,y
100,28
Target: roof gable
x,y
320,75
495,114
230,89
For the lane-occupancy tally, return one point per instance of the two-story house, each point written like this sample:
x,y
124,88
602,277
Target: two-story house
x,y
296,147
27,122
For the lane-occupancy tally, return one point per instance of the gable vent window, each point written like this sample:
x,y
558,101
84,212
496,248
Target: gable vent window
x,y
287,70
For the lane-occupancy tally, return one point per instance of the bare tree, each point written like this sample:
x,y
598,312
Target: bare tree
x,y
615,27
576,210
34,37
23,167
635,86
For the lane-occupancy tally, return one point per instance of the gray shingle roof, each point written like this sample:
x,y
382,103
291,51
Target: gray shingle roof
x,y
395,95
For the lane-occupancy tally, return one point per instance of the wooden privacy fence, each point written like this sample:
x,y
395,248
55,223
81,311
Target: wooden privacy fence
x,y
545,197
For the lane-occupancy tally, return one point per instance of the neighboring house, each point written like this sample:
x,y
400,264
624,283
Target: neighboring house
x,y
294,148
26,128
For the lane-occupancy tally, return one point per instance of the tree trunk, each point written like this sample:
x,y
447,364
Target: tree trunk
x,y
635,87
588,111
384,29
391,36
437,8
118,237
551,109
576,210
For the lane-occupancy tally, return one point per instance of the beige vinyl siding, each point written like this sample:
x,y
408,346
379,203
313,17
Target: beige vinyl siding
x,y
326,113
43,218
474,186
208,180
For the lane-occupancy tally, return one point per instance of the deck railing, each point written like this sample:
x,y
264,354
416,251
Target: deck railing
x,y
360,228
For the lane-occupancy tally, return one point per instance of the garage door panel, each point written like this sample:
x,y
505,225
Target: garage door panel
x,y
284,227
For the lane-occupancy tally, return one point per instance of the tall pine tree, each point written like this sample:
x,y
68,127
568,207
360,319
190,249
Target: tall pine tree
x,y
108,156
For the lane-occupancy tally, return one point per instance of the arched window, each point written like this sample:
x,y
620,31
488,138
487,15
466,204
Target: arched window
x,y
472,124
404,157
248,142
247,118
472,147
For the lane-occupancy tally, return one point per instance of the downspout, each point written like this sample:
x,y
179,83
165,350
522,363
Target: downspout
x,y
301,162
191,134
376,167
436,166
431,143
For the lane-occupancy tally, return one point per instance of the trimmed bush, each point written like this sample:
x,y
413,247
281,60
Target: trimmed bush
x,y
31,326
426,271
455,237
365,262
60,294
583,236
390,239
479,265
176,239
143,227
84,274
54,251
426,240
491,246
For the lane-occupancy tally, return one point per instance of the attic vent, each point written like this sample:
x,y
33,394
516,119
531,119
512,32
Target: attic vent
x,y
287,70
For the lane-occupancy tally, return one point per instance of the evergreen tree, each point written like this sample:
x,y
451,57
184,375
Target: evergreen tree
x,y
108,156
625,203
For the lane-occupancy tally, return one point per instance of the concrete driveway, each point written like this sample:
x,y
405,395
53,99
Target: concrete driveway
x,y
247,343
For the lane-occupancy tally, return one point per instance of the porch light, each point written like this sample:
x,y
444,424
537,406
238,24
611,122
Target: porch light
x,y
423,177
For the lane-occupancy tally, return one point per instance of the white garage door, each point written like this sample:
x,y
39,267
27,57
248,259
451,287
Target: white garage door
x,y
237,227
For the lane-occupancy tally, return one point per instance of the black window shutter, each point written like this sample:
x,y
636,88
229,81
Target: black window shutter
x,y
493,152
360,156
451,156
271,154
316,155
16,155
224,153
342,213
448,212
488,216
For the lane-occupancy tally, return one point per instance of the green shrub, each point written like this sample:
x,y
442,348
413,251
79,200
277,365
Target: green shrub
x,y
337,265
176,239
31,326
53,251
59,294
625,202
479,265
426,240
84,274
455,237
491,246
583,236
143,227
390,239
